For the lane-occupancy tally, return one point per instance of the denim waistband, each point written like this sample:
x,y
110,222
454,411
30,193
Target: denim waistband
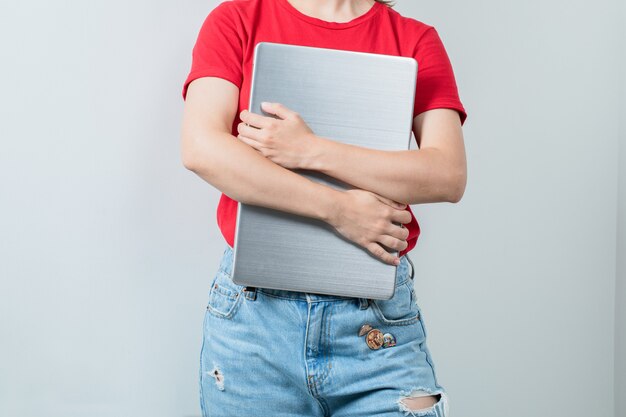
x,y
403,276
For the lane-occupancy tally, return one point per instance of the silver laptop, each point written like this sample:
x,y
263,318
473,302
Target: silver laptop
x,y
359,98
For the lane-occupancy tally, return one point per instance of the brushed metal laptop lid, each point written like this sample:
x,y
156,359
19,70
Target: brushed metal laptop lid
x,y
358,98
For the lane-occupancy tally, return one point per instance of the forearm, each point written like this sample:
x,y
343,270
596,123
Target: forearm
x,y
411,176
245,175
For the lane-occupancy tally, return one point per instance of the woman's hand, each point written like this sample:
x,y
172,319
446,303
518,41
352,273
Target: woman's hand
x,y
287,140
368,219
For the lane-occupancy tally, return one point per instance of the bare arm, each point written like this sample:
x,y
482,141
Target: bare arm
x,y
436,172
210,150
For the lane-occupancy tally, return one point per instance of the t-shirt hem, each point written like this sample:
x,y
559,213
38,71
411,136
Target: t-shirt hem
x,y
446,105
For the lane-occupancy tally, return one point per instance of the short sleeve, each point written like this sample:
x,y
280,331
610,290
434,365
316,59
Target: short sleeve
x,y
218,50
436,86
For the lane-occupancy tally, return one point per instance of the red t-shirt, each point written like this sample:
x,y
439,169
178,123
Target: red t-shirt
x,y
226,41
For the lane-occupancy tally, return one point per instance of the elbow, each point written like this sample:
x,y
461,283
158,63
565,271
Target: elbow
x,y
198,153
187,162
188,153
456,187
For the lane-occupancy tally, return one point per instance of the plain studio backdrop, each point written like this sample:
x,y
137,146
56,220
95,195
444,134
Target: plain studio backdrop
x,y
109,244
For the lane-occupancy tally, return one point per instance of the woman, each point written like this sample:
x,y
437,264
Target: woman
x,y
281,353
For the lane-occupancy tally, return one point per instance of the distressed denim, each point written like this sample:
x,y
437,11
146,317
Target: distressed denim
x,y
269,352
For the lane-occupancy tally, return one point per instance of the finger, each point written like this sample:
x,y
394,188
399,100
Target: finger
x,y
398,231
379,252
253,143
276,108
255,120
393,243
249,132
401,216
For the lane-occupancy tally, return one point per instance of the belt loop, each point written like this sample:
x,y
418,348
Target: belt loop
x,y
363,303
250,293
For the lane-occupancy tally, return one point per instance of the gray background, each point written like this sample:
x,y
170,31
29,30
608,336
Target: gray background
x,y
108,243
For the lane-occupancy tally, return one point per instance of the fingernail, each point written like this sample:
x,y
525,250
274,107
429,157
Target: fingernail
x,y
396,261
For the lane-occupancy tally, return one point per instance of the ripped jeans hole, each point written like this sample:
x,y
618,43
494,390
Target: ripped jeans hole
x,y
436,406
219,377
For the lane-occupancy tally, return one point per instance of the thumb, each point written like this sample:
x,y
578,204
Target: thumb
x,y
276,109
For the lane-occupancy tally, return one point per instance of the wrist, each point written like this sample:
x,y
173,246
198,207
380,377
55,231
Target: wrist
x,y
331,204
315,151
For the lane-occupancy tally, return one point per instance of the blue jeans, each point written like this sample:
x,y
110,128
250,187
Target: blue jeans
x,y
273,353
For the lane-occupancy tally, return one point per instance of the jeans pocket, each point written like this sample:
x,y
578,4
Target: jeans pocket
x,y
399,310
224,296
